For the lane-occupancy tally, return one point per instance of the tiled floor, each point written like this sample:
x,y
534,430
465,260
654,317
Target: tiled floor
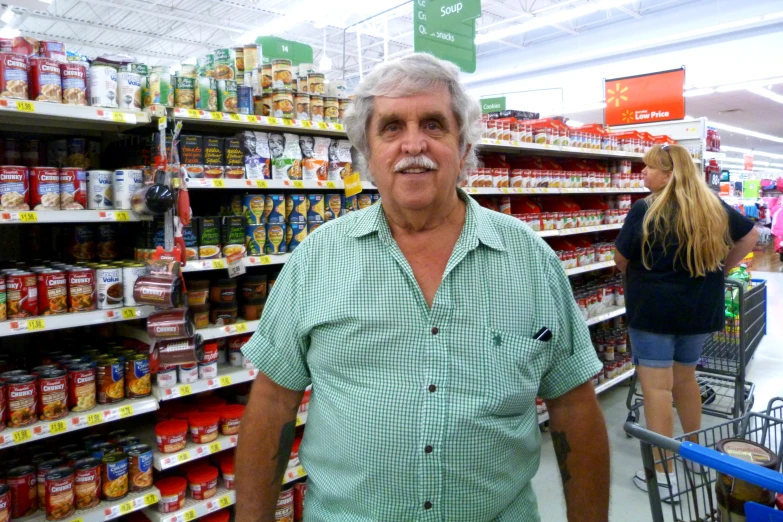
x,y
628,504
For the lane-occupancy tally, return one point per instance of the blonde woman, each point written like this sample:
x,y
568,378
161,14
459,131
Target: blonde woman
x,y
675,247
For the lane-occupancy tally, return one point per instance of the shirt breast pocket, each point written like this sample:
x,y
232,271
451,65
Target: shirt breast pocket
x,y
516,364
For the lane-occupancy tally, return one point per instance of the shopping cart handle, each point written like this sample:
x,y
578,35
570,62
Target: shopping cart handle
x,y
732,466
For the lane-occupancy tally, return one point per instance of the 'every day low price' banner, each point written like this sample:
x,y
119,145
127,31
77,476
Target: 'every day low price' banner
x,y
646,98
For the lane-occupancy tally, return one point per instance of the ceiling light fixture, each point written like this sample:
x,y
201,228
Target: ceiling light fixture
x,y
766,93
7,16
9,32
574,123
746,132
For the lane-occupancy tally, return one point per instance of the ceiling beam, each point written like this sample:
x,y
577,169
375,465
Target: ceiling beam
x,y
628,11
564,29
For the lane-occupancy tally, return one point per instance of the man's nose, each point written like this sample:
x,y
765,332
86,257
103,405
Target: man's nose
x,y
414,141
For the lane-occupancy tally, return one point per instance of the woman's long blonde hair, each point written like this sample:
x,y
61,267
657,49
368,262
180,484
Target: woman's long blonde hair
x,y
687,210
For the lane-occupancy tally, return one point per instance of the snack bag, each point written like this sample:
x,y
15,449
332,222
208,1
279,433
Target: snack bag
x,y
286,156
340,164
315,157
255,150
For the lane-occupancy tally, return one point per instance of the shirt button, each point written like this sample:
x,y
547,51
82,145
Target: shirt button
x,y
432,388
428,449
434,330
428,505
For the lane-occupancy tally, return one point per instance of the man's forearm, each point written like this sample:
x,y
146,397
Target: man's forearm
x,y
741,248
582,450
265,439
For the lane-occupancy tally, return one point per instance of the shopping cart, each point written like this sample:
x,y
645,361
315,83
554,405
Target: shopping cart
x,y
721,370
696,466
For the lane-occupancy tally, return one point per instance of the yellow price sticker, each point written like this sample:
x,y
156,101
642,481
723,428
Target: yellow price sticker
x,y
175,183
218,183
185,389
126,411
77,520
239,327
307,124
260,183
252,119
287,122
35,324
22,436
184,456
323,125
272,121
150,499
126,507
299,184
57,427
265,260
338,126
118,117
94,418
121,216
28,217
226,379
224,501
353,184
215,447
235,117
190,515
218,263
331,184
217,115
25,106
193,113
129,313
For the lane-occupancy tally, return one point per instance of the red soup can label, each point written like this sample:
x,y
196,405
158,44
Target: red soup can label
x,y
20,302
74,79
45,81
73,189
44,188
53,396
13,76
52,293
5,503
22,403
24,494
14,188
81,290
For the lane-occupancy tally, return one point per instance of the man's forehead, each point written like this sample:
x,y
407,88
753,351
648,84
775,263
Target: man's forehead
x,y
437,101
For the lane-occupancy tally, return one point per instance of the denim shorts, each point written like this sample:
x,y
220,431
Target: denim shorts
x,y
661,350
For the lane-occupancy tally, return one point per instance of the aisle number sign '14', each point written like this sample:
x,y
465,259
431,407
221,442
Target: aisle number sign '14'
x,y
447,29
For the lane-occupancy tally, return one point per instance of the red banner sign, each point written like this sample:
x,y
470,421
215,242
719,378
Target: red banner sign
x,y
748,161
646,98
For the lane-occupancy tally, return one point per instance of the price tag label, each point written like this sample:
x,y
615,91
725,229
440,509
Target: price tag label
x,y
25,106
323,125
28,217
299,184
261,183
162,122
150,499
272,121
94,418
265,260
235,117
226,379
128,313
218,183
215,447
126,411
185,389
193,113
189,515
504,190
224,501
35,324
121,216
331,184
57,427
217,115
22,436
218,263
236,267
252,119
239,328
183,457
287,122
126,507
338,126
307,124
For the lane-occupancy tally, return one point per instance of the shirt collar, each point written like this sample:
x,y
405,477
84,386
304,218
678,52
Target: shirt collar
x,y
478,224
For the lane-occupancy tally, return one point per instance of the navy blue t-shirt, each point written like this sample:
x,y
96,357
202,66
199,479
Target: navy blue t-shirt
x,y
666,299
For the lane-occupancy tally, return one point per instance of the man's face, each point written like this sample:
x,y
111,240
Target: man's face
x,y
420,125
276,145
307,143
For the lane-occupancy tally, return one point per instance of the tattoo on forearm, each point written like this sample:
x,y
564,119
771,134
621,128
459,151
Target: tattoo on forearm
x,y
562,449
284,451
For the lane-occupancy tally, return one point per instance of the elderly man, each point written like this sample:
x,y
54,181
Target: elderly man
x,y
427,326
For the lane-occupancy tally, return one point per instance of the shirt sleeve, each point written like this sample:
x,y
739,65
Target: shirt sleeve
x,y
739,225
629,240
572,360
279,347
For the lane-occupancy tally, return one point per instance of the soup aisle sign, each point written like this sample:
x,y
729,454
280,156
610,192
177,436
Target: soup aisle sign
x,y
646,98
447,29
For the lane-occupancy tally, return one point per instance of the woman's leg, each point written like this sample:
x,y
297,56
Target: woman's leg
x,y
687,398
657,389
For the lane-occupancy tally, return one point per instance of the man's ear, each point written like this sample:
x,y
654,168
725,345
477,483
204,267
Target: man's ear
x,y
464,157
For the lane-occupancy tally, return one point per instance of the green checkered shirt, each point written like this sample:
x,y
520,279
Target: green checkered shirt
x,y
417,413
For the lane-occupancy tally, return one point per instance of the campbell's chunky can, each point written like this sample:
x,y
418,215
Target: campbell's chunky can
x,y
81,387
52,50
87,482
81,290
22,400
52,394
24,494
44,188
60,494
13,76
52,292
45,80
74,78
73,189
20,286
14,186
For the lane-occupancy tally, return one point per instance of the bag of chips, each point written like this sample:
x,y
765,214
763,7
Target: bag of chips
x,y
286,156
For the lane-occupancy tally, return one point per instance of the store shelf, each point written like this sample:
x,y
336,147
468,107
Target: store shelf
x,y
195,508
589,268
56,322
501,191
292,474
77,421
216,332
271,184
613,312
42,114
580,230
554,150
250,261
227,376
71,216
243,121
611,383
106,510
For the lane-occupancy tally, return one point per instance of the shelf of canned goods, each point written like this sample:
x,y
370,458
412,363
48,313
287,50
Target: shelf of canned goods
x,y
249,262
613,312
589,268
72,320
28,112
272,184
491,145
108,509
227,376
512,191
195,508
579,230
71,216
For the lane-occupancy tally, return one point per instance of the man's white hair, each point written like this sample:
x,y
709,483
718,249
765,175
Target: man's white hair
x,y
408,76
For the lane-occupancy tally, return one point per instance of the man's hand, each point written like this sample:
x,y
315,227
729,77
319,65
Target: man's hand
x,y
265,439
582,450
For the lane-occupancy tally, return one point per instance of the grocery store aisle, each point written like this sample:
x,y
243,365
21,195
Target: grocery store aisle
x,y
627,502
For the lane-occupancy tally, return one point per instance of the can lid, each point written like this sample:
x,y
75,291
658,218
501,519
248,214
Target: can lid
x,y
20,379
50,464
20,471
113,458
199,419
232,411
86,463
171,427
171,486
59,473
138,449
52,374
203,474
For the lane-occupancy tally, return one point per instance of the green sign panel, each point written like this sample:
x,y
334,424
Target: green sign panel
x,y
489,105
274,48
447,29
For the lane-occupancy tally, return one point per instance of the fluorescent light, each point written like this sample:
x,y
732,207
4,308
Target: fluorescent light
x,y
7,15
574,123
543,21
9,32
698,92
766,93
746,132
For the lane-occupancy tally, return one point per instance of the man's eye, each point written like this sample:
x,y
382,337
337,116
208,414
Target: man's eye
x,y
392,127
433,125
